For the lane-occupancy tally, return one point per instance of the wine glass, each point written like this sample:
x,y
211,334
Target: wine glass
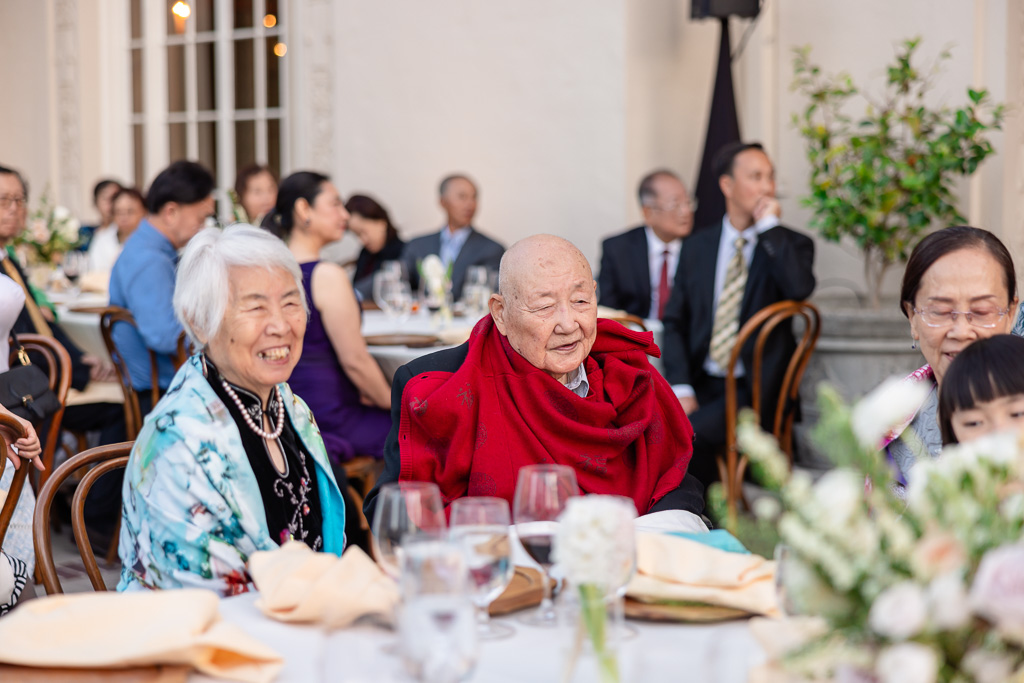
x,y
541,494
73,266
437,632
404,508
396,300
480,526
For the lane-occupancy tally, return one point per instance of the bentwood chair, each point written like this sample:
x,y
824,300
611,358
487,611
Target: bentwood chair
x,y
18,481
362,472
58,366
111,316
733,465
631,321
100,460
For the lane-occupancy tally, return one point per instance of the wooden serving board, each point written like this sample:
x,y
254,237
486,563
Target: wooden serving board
x,y
525,590
140,674
650,611
416,341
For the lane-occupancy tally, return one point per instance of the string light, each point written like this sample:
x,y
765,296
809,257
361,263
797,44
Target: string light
x,y
182,9
280,49
270,21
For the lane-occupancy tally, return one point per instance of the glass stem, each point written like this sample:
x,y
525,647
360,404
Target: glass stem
x,y
483,617
546,605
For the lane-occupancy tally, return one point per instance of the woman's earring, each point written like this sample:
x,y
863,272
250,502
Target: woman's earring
x,y
913,345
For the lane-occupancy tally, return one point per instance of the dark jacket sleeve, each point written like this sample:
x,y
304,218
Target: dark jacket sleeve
x,y
392,456
689,497
606,279
790,262
79,370
675,354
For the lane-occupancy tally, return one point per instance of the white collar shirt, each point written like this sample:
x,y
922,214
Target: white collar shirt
x,y
655,255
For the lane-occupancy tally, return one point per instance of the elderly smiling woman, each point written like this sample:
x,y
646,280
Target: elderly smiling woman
x,y
230,461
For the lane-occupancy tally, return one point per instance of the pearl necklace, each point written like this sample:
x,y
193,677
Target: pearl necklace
x,y
248,419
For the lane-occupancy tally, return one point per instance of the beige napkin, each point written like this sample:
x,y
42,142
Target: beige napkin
x,y
779,636
454,335
678,569
299,585
116,630
95,281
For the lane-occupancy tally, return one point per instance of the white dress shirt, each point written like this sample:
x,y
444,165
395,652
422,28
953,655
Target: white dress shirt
x,y
655,252
452,243
104,249
726,250
578,383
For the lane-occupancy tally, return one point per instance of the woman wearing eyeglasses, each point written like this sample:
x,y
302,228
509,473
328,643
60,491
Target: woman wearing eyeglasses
x,y
959,286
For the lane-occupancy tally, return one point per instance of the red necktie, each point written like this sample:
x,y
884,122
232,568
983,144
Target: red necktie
x,y
663,288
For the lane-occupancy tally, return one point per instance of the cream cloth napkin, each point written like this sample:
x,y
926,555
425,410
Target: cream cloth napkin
x,y
678,569
117,630
299,585
779,636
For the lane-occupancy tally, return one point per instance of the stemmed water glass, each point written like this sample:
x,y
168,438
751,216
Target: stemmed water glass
x,y
542,492
479,525
404,508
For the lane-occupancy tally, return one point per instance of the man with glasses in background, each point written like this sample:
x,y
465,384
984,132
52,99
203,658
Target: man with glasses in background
x,y
638,267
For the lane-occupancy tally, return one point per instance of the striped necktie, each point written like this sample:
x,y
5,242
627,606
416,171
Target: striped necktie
x,y
34,314
727,316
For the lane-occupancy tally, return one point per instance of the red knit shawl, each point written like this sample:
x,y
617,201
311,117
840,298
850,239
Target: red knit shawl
x,y
471,430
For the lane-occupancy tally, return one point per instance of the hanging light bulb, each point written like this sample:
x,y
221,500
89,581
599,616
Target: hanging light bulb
x,y
181,9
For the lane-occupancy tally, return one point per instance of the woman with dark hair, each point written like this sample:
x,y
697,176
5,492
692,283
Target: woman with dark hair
x,y
255,193
369,221
337,376
959,286
129,208
983,391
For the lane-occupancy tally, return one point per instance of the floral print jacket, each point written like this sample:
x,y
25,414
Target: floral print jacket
x,y
192,512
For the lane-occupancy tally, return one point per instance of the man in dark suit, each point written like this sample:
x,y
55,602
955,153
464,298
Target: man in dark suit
x,y
458,243
730,271
639,266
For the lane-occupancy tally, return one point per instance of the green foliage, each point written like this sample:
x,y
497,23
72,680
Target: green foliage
x,y
887,177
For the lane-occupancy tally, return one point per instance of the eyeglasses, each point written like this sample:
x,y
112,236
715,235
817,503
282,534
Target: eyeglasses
x,y
687,206
7,201
937,317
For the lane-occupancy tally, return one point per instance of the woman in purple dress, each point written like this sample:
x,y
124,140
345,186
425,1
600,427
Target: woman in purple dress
x,y
336,376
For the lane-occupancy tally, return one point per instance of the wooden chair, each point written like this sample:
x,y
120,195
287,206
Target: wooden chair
x,y
631,321
105,459
58,364
18,481
362,470
732,467
112,315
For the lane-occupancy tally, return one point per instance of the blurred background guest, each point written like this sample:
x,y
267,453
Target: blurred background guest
x,y
959,286
336,375
191,516
107,242
983,390
103,199
255,193
369,221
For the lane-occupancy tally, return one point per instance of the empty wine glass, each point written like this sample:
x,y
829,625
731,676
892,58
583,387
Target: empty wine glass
x,y
404,508
396,300
541,494
480,526
437,631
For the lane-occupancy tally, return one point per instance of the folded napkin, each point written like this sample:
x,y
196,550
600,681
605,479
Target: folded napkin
x,y
95,281
299,585
777,637
454,335
119,630
674,569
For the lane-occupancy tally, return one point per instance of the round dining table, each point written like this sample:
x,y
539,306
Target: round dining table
x,y
710,653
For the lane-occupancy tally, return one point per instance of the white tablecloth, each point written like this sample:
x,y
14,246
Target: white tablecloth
x,y
719,653
83,328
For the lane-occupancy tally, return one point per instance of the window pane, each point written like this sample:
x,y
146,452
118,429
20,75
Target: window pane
x,y
244,80
245,143
243,13
136,18
208,145
138,145
273,77
274,146
206,76
176,22
202,10
137,82
175,78
179,145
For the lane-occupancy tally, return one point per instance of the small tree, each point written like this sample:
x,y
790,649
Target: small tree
x,y
887,178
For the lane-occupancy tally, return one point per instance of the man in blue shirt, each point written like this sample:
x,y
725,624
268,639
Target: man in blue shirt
x,y
179,201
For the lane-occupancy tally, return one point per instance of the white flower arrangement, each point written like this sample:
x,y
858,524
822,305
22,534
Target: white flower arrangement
x,y
50,233
437,284
920,590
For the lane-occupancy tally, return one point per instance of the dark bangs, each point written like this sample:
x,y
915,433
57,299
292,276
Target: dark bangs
x,y
986,370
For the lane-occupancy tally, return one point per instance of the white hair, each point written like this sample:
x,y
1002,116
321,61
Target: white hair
x,y
203,285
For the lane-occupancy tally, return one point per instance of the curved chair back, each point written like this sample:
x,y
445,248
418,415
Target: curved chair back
x,y
104,459
113,315
633,322
766,320
58,364
18,481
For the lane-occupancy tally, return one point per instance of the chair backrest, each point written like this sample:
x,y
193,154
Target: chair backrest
x,y
105,459
763,323
631,321
112,315
18,481
58,364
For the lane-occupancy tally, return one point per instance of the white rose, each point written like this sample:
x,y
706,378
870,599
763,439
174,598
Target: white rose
x,y
595,542
987,667
60,213
947,602
900,612
69,229
839,494
998,590
887,406
432,270
907,663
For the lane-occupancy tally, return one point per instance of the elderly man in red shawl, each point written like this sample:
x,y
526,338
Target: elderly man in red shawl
x,y
542,380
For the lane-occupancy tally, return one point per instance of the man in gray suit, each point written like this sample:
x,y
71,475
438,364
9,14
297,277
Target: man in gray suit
x,y
458,243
